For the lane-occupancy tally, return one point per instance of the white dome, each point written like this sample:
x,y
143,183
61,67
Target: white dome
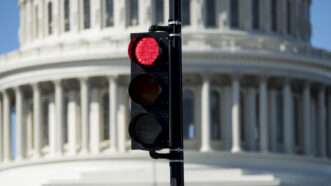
x,y
257,102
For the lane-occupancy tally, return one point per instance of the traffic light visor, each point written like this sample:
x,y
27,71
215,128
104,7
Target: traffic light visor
x,y
144,50
145,90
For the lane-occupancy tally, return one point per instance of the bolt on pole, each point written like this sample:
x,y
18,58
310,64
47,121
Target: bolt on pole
x,y
176,106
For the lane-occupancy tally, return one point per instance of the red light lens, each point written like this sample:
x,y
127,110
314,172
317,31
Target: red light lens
x,y
147,51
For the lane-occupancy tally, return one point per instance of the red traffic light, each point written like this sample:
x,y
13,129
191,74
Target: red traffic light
x,y
145,50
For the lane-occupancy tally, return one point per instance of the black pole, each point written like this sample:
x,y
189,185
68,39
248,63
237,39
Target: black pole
x,y
176,106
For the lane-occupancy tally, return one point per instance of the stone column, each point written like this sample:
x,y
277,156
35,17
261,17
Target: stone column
x,y
22,23
19,124
37,120
322,121
113,112
95,122
59,139
145,12
282,17
236,141
40,18
57,17
120,14
28,21
223,14
73,123
250,117
273,120
51,126
265,15
206,117
75,12
166,11
84,98
6,127
96,11
29,132
246,16
288,119
122,123
307,120
264,128
197,13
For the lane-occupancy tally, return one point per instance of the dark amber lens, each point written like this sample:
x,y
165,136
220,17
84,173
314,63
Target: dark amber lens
x,y
145,129
145,90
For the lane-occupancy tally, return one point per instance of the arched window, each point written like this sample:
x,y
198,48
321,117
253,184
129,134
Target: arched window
x,y
87,13
109,13
211,13
158,11
188,115
186,12
234,18
50,17
274,15
133,13
66,15
256,14
215,115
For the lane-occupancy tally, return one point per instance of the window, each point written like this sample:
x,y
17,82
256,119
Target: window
x,y
215,115
274,15
280,118
256,14
46,108
66,15
105,114
65,123
211,13
50,18
298,130
234,19
188,115
186,12
133,13
87,14
159,11
109,13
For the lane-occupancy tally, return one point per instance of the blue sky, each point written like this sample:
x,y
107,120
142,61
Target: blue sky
x,y
9,24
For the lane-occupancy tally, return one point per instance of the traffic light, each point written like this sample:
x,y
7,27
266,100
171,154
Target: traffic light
x,y
149,90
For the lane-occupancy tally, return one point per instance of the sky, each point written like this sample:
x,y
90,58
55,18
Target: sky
x,y
9,20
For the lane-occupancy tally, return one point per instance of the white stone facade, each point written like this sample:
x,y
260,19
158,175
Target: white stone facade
x,y
257,97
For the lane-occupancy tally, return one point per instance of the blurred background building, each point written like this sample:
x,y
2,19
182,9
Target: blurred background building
x,y
257,97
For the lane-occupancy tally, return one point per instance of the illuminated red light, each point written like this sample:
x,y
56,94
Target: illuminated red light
x,y
147,51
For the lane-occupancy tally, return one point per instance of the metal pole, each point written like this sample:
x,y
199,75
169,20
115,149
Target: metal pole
x,y
176,110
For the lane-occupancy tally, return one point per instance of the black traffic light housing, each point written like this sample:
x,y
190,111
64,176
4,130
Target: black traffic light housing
x,y
149,90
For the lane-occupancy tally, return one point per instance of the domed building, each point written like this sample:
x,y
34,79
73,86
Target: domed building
x,y
257,97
